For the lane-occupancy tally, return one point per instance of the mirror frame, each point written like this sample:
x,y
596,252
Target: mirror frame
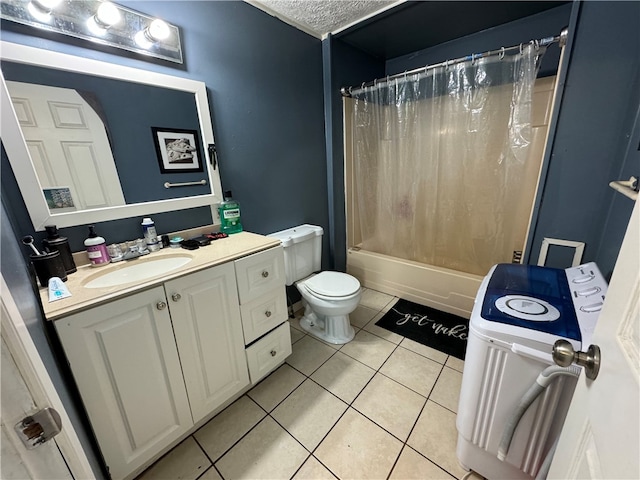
x,y
20,159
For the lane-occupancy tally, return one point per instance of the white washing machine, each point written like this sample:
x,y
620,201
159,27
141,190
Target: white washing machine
x,y
519,313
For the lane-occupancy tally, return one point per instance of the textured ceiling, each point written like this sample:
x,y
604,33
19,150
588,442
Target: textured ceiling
x,y
319,17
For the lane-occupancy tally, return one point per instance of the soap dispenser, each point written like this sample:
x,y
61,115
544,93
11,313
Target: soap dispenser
x,y
229,214
96,249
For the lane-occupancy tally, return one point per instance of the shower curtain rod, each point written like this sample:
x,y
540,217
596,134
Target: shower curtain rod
x,y
560,39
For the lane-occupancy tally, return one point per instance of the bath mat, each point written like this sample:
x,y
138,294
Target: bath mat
x,y
440,330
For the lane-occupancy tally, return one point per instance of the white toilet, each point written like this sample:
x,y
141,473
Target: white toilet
x,y
328,297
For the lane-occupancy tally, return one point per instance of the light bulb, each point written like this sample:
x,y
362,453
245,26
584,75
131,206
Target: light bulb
x,y
107,14
158,30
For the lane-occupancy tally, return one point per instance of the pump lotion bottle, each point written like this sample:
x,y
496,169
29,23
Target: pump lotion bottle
x,y
96,249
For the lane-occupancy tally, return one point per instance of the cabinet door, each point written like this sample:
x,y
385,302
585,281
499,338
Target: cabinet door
x,y
208,329
124,359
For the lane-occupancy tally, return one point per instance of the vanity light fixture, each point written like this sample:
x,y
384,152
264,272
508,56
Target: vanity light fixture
x,y
99,21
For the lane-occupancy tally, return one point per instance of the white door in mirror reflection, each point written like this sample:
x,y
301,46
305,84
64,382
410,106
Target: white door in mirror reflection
x,y
69,147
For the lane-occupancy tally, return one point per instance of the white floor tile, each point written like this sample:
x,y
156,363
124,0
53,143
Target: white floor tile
x,y
411,465
186,461
391,405
267,452
369,349
435,436
375,300
447,389
425,351
412,370
361,316
308,354
309,413
226,428
357,448
275,388
343,376
455,363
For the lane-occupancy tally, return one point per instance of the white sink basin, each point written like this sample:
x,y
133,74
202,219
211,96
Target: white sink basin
x,y
136,270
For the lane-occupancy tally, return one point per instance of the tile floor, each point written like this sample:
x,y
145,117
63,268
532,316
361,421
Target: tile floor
x,y
381,406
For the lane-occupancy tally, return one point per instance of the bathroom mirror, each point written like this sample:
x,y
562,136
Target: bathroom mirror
x,y
160,138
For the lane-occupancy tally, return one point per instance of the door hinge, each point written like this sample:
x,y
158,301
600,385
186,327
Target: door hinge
x,y
517,256
36,429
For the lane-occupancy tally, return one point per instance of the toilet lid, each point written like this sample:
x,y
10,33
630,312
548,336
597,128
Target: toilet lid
x,y
333,284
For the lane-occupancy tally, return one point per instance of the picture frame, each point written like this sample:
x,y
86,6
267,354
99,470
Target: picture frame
x,y
178,150
59,199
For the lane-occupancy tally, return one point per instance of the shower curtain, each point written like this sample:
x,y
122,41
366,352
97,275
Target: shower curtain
x,y
440,161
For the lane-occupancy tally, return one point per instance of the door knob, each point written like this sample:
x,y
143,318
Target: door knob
x,y
564,355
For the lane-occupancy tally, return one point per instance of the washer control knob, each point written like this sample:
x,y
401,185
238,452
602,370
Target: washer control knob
x,y
588,291
584,278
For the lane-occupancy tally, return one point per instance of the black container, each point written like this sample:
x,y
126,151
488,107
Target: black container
x,y
48,265
56,243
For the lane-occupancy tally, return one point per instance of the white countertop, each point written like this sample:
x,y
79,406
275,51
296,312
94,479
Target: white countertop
x,y
220,251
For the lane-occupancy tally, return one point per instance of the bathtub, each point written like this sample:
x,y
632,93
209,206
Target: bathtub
x,y
447,290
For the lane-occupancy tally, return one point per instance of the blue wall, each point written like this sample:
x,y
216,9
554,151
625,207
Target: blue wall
x,y
596,140
264,80
344,65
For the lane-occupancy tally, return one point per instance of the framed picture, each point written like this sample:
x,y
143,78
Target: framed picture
x,y
59,199
178,150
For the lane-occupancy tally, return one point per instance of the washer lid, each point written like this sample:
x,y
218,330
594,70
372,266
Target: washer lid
x,y
531,297
333,284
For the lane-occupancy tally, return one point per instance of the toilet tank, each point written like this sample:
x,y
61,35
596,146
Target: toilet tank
x,y
302,251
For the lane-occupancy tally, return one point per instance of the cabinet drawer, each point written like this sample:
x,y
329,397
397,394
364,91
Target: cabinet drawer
x,y
260,273
271,350
263,314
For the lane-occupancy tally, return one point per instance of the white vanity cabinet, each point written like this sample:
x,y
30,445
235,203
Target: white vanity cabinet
x,y
125,362
152,366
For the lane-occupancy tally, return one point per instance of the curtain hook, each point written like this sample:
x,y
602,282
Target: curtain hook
x,y
362,86
501,53
537,45
520,49
405,74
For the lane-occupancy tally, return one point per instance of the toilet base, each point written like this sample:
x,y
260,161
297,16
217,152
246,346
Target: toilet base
x,y
336,330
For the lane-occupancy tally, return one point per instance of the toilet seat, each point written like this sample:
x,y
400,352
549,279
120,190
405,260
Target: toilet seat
x,y
332,285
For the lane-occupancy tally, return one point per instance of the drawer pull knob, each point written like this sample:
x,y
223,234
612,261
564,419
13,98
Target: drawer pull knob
x,y
267,313
175,297
265,274
161,305
273,353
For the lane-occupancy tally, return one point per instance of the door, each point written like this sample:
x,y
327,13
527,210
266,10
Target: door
x,y
600,438
69,147
124,359
19,463
208,329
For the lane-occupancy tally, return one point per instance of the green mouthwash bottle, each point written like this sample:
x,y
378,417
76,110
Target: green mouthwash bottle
x,y
229,215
